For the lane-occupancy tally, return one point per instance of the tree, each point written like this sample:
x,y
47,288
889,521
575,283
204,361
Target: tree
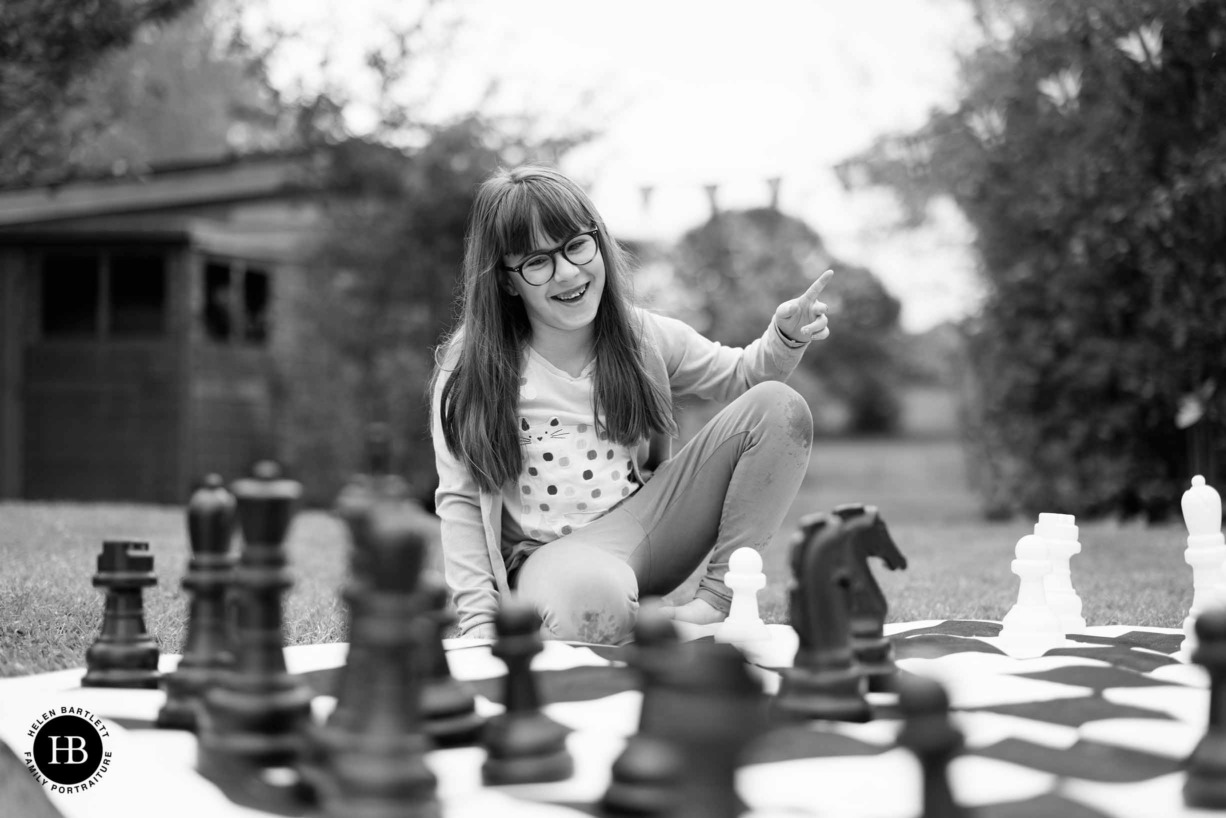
x,y
739,266
46,48
1089,152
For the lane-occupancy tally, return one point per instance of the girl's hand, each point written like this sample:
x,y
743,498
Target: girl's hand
x,y
804,319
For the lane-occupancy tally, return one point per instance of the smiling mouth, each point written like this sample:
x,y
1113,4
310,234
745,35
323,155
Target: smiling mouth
x,y
571,296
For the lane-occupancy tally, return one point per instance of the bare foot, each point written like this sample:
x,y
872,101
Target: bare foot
x,y
696,611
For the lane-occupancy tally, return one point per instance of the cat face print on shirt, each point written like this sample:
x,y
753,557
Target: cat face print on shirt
x,y
572,475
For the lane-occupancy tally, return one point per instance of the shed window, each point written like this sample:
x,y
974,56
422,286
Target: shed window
x,y
237,301
138,295
103,294
70,294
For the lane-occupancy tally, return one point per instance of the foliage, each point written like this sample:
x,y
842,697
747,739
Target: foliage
x,y
46,48
1089,152
739,266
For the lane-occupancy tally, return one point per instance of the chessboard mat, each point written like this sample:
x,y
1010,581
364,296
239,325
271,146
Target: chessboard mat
x,y
1099,726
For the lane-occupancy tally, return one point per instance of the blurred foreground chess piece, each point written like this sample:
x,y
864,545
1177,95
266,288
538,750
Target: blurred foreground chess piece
x,y
1206,553
929,733
1205,785
825,681
253,724
870,538
523,745
125,654
207,650
373,747
645,776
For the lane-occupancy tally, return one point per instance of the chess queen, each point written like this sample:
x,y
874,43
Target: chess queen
x,y
552,405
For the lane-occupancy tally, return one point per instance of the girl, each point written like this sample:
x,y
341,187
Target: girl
x,y
552,410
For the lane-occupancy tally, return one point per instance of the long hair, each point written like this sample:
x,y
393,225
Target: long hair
x,y
481,394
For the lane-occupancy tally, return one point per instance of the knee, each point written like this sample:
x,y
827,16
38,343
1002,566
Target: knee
x,y
776,401
586,600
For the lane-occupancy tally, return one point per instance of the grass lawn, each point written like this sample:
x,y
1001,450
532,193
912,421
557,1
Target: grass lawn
x,y
958,564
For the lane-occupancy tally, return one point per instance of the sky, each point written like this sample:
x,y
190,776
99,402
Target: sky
x,y
688,94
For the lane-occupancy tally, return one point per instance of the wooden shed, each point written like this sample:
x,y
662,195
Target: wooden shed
x,y
139,318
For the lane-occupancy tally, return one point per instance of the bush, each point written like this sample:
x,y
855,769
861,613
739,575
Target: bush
x,y
1089,152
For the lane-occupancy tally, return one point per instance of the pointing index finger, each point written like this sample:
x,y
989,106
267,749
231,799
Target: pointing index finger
x,y
818,285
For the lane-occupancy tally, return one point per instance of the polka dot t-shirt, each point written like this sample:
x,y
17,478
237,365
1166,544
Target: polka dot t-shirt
x,y
572,474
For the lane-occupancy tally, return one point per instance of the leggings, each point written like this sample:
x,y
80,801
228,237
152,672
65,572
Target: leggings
x,y
729,487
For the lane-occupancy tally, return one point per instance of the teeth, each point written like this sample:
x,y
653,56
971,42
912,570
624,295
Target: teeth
x,y
573,295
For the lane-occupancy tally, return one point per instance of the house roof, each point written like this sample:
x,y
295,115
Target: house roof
x,y
235,179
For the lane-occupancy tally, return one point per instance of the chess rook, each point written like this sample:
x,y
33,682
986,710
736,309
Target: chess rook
x,y
372,751
1206,553
1031,627
1060,533
824,682
206,650
523,745
125,654
744,579
256,717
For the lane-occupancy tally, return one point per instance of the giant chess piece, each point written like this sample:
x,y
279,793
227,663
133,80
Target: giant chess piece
x,y
449,705
373,748
210,572
869,608
744,578
523,745
928,733
645,778
701,711
1205,786
1059,531
825,681
256,717
1206,553
124,655
1031,627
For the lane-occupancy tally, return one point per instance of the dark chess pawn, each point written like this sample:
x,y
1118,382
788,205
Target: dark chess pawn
x,y
928,733
1205,786
124,655
825,682
371,759
449,705
867,614
256,717
645,778
523,745
210,572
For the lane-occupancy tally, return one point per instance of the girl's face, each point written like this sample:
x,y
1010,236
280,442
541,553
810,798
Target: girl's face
x,y
568,301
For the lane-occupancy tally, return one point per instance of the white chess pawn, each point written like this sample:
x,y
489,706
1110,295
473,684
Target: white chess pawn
x,y
745,579
1060,534
1031,627
1206,553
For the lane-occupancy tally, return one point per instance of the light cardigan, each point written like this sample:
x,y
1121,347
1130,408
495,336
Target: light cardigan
x,y
471,520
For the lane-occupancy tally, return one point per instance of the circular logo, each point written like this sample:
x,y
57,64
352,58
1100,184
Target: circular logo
x,y
67,750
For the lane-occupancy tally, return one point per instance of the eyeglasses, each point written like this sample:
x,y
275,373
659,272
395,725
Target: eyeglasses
x,y
538,268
